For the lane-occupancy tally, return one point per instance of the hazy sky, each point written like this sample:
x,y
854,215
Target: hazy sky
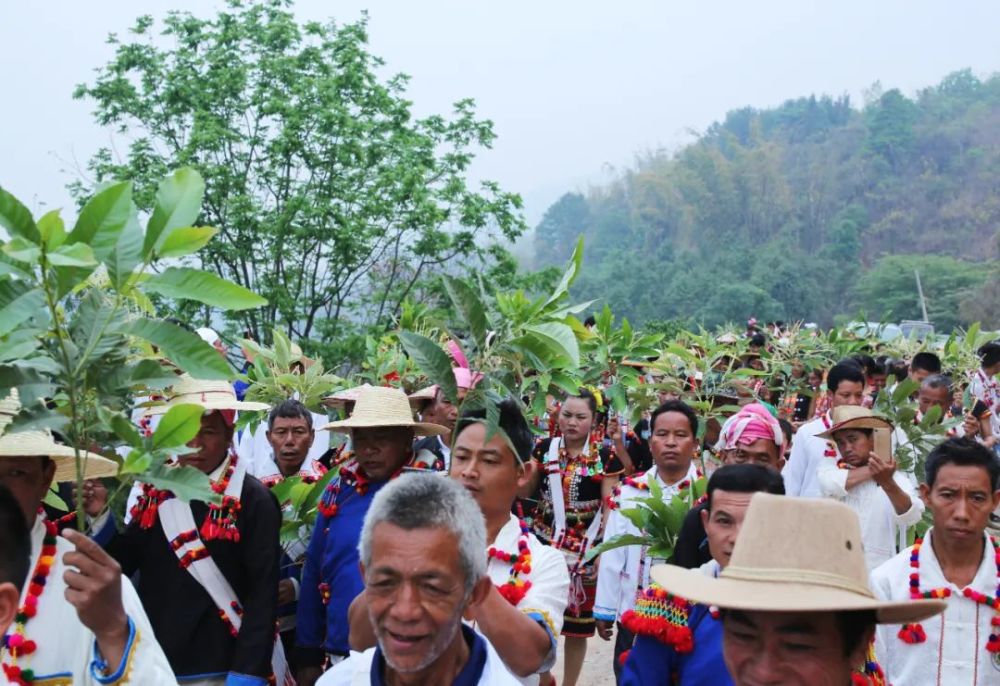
x,y
572,87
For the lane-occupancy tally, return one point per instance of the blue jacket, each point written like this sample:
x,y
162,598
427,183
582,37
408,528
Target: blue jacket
x,y
652,662
332,559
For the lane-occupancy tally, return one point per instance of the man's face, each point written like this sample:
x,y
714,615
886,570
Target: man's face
x,y
487,469
762,452
787,649
723,522
290,439
212,443
961,500
929,397
918,375
855,446
416,594
382,451
848,393
877,381
28,481
441,412
672,443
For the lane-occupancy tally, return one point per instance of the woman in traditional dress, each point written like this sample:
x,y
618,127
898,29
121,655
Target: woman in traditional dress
x,y
577,474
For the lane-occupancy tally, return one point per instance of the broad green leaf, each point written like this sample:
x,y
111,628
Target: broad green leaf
x,y
316,492
470,307
30,384
38,417
185,241
16,218
103,218
569,276
151,374
185,283
19,302
179,425
560,337
53,500
75,255
22,250
178,203
136,462
431,360
126,430
182,347
187,483
52,229
617,542
126,255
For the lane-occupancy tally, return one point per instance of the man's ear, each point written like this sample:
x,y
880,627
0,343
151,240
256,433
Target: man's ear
x,y
996,499
860,653
527,470
480,592
925,495
705,514
9,599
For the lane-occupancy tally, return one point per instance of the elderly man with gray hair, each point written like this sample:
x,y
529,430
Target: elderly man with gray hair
x,y
423,565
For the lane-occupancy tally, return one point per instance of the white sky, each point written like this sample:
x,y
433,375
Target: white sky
x,y
574,88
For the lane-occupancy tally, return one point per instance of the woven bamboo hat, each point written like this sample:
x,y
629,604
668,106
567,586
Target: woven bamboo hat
x,y
856,417
345,399
795,555
378,406
211,395
41,444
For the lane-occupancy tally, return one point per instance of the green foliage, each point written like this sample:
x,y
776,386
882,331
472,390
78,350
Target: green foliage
x,y
75,316
789,213
331,198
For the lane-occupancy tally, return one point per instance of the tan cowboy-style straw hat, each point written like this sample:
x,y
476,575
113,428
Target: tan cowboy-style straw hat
x,y
378,406
41,444
345,399
794,555
856,417
211,395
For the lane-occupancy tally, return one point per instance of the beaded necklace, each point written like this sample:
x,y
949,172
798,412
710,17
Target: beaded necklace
x,y
17,644
328,506
515,588
914,633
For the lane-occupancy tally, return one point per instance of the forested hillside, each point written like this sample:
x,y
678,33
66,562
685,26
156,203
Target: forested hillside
x,y
814,209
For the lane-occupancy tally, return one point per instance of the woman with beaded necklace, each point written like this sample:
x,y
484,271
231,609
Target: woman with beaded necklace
x,y
576,475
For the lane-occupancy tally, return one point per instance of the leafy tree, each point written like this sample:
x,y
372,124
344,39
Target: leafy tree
x,y
563,222
331,199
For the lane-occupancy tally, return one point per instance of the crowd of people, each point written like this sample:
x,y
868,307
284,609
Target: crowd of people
x,y
460,546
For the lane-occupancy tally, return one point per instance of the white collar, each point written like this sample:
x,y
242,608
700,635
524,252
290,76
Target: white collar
x,y
711,568
692,473
932,576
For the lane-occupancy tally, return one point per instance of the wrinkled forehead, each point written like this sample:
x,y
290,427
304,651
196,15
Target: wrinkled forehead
x,y
416,552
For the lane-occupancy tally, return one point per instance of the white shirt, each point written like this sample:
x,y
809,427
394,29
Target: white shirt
x,y
961,631
66,648
256,452
881,527
619,572
987,389
546,600
799,474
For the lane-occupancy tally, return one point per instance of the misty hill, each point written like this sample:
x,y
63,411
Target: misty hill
x,y
809,210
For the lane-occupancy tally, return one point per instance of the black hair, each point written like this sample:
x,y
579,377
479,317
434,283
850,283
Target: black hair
x,y
938,381
929,362
898,369
15,541
745,478
962,452
590,321
512,422
787,430
758,340
675,406
587,396
289,409
882,365
989,353
854,626
866,362
846,370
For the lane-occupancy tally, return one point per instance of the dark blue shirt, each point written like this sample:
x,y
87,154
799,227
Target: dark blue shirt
x,y
653,662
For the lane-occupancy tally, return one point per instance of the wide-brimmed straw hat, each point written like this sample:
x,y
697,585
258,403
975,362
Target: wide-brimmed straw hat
x,y
378,406
211,395
794,555
345,399
856,417
41,444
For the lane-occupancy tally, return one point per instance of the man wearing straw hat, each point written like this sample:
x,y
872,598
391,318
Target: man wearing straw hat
x,y
208,572
957,561
382,430
79,621
794,600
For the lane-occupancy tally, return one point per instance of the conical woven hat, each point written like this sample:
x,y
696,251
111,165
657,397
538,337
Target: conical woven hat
x,y
211,395
379,406
794,555
41,444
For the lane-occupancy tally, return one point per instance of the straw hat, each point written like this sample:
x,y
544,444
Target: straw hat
x,y
377,406
856,417
41,444
211,395
345,400
795,555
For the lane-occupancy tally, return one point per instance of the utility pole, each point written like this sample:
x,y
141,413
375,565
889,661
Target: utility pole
x,y
920,292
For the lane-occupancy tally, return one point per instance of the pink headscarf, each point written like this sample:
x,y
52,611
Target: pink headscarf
x,y
752,423
464,377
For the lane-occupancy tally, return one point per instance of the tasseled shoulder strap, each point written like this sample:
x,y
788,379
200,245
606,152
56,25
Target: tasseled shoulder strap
x,y
663,616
